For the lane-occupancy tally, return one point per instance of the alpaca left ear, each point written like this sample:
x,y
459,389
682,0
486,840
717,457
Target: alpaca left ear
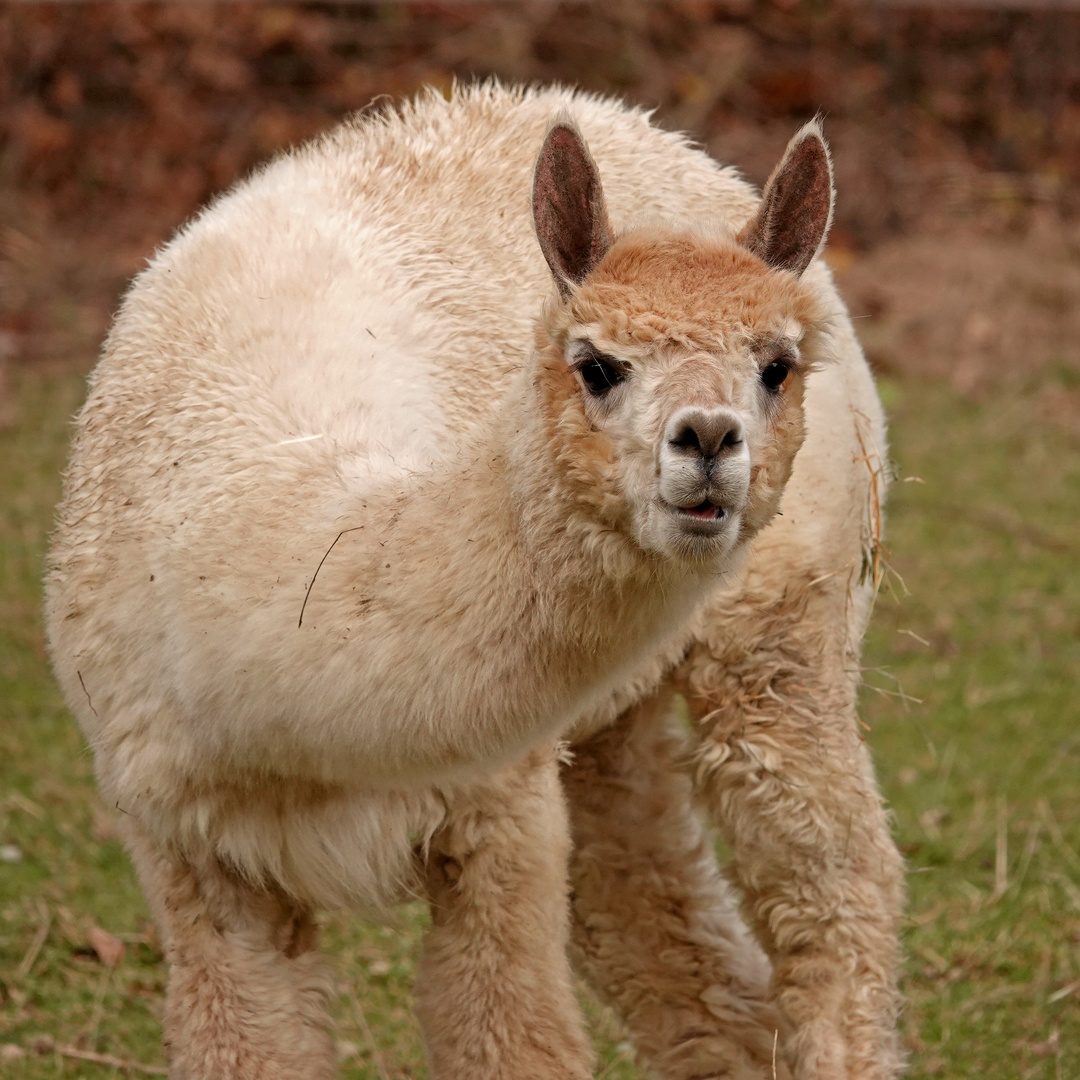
x,y
568,206
796,206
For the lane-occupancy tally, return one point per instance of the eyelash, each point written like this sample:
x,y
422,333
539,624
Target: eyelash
x,y
600,372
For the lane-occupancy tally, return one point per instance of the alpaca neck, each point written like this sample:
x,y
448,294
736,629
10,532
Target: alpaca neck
x,y
486,610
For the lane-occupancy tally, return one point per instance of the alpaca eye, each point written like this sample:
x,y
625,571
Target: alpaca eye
x,y
599,376
774,374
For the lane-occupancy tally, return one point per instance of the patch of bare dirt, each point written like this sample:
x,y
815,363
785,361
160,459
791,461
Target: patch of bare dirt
x,y
973,308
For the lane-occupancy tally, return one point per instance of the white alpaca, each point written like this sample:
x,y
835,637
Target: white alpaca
x,y
364,514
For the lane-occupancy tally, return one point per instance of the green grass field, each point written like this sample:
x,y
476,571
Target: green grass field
x,y
970,707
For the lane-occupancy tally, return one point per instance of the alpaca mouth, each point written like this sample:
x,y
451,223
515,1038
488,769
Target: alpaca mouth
x,y
703,511
705,518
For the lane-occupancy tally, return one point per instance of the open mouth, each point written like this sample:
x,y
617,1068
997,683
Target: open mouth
x,y
704,511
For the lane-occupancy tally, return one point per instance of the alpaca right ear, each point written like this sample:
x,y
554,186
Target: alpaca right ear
x,y
568,206
796,206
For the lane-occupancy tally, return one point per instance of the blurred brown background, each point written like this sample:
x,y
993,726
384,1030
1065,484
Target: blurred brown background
x,y
956,133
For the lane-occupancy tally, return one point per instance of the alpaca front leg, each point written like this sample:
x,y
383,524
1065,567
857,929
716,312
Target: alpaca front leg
x,y
247,992
494,992
789,781
657,932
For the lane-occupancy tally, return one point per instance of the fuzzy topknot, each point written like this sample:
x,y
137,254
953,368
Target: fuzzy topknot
x,y
691,289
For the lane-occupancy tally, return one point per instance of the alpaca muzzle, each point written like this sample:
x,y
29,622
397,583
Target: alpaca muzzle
x,y
704,465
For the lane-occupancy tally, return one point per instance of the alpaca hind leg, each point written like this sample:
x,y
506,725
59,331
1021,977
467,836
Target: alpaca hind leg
x,y
789,781
495,994
247,991
657,932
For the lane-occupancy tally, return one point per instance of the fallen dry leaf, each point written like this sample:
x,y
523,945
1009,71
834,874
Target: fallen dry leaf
x,y
109,948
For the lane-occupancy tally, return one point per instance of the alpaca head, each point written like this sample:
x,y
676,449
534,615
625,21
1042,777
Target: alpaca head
x,y
672,361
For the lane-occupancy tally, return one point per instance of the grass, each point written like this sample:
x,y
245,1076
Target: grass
x,y
982,775
981,771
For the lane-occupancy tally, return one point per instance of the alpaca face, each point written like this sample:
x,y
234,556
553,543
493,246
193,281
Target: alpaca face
x,y
683,349
684,463
685,355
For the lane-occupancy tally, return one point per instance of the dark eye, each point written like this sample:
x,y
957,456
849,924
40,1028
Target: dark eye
x,y
774,374
600,375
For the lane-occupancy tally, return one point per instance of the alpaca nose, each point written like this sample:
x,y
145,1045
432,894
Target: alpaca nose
x,y
705,432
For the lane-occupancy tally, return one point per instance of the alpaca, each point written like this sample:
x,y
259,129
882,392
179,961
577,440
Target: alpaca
x,y
384,488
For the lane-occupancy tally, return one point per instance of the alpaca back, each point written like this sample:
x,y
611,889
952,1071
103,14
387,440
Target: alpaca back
x,y
383,282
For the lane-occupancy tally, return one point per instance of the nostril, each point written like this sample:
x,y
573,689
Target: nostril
x,y
686,438
707,434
